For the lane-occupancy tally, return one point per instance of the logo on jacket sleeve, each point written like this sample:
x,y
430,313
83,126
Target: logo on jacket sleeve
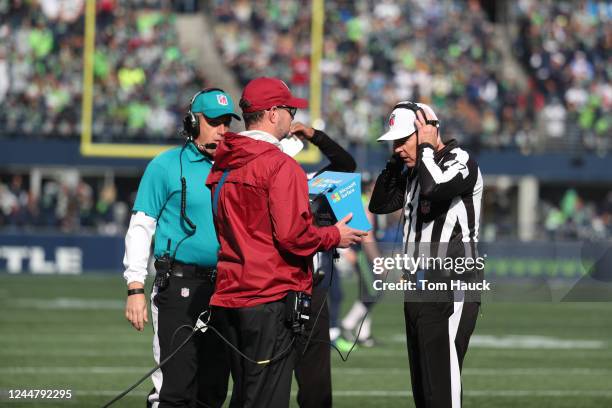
x,y
185,292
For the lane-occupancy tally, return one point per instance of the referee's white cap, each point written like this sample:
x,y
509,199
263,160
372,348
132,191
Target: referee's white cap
x,y
401,122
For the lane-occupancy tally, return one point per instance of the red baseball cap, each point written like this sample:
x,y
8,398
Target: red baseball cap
x,y
265,92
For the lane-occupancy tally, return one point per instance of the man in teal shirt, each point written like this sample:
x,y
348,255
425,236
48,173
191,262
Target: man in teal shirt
x,y
174,203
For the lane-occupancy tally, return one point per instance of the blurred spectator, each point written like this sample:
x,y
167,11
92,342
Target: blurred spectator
x,y
553,116
4,74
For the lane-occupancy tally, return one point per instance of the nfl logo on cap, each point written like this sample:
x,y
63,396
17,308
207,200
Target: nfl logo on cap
x,y
222,99
185,292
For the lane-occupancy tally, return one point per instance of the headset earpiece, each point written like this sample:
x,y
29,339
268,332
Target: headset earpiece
x,y
191,126
195,125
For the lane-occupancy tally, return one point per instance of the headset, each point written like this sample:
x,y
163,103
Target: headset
x,y
415,108
191,123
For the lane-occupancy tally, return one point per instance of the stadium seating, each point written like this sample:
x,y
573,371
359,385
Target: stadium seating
x,y
565,46
374,55
377,53
141,76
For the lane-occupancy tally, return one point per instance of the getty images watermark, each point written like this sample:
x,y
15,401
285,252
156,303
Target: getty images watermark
x,y
514,271
426,273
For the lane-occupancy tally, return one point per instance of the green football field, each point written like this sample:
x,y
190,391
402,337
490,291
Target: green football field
x,y
69,333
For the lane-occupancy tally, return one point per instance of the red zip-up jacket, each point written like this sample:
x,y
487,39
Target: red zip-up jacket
x,y
264,224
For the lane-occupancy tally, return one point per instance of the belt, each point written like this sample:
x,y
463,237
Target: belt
x,y
188,271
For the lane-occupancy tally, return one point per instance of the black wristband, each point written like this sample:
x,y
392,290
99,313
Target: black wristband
x,y
137,291
423,145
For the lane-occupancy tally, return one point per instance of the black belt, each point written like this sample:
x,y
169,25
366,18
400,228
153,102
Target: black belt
x,y
188,271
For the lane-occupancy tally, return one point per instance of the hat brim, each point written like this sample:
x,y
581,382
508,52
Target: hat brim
x,y
394,135
299,103
218,115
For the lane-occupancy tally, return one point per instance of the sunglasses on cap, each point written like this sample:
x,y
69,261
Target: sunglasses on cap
x,y
221,120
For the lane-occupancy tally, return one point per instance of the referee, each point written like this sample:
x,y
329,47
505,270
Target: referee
x,y
174,203
440,192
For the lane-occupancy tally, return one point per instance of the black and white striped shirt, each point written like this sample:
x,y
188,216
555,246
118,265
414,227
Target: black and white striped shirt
x,y
441,198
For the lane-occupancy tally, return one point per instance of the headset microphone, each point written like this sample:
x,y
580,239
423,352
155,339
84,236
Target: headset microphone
x,y
210,146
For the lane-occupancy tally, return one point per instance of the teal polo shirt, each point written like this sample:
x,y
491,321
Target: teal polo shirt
x,y
159,197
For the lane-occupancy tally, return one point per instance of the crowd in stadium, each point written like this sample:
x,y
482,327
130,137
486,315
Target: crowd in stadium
x,y
566,50
377,53
141,76
371,61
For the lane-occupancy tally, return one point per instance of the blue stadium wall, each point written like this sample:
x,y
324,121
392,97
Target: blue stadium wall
x,y
553,167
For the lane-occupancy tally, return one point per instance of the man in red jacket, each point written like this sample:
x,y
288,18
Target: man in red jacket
x,y
267,238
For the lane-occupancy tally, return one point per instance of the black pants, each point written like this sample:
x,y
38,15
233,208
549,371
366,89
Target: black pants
x,y
437,336
197,376
313,368
260,332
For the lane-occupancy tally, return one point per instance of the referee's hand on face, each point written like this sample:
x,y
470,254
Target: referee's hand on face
x,y
136,307
348,235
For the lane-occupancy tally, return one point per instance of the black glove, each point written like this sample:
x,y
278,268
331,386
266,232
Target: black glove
x,y
395,164
390,187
